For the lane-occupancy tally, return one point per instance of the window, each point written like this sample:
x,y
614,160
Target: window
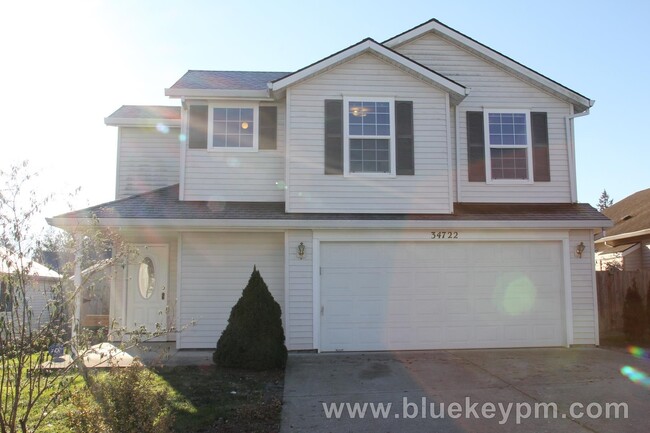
x,y
146,278
233,128
369,136
508,151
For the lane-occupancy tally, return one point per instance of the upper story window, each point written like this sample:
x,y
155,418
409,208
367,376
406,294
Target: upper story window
x,y
369,145
508,135
233,128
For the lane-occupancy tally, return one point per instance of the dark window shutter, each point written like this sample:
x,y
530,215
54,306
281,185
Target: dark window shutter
x,y
268,128
541,162
198,127
333,136
404,146
475,146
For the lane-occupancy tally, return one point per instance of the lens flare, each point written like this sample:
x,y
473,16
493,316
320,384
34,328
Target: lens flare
x,y
638,352
182,138
636,376
519,296
162,128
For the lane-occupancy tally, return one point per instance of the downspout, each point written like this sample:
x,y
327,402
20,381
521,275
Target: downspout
x,y
571,150
183,140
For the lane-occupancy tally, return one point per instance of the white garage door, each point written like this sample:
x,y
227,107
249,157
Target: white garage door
x,y
420,295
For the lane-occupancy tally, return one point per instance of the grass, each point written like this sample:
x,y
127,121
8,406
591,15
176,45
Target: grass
x,y
212,399
207,399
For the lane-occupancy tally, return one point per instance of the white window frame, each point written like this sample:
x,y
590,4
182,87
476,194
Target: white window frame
x,y
256,126
347,136
489,147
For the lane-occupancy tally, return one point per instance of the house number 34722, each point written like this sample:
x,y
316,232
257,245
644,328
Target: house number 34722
x,y
444,235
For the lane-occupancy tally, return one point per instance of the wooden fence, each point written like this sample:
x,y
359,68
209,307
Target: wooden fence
x,y
611,288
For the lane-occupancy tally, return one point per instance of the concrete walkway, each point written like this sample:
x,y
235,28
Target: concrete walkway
x,y
107,355
486,377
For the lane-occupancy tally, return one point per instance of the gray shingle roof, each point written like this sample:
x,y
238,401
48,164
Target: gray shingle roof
x,y
227,80
164,204
147,112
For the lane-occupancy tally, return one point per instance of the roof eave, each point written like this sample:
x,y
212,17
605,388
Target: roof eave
x,y
580,102
121,121
628,235
281,224
218,94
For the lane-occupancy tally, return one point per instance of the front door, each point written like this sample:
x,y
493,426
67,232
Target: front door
x,y
147,288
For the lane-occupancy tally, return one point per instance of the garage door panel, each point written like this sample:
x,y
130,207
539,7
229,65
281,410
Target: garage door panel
x,y
392,295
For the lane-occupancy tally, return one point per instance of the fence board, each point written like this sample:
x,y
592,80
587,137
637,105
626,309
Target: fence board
x,y
611,288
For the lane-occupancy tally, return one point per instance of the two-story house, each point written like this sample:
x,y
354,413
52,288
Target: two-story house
x,y
418,193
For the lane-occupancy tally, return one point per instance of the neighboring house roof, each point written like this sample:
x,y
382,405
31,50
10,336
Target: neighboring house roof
x,y
631,217
162,206
145,115
369,45
580,102
223,83
36,269
618,249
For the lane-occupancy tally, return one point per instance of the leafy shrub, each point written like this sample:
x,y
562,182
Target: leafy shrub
x,y
126,400
254,338
634,320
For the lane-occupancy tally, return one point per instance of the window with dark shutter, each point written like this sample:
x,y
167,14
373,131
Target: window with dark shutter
x,y
475,146
198,127
268,128
404,145
541,161
333,136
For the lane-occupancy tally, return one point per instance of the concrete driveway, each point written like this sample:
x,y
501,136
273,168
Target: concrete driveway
x,y
466,391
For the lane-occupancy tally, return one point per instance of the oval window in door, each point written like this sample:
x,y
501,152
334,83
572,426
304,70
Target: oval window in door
x,y
146,278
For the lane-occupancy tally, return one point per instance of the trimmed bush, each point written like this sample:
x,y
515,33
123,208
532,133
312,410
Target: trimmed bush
x,y
634,320
254,338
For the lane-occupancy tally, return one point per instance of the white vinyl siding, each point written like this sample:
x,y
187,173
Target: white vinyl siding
x,y
299,324
633,261
310,190
237,176
583,280
215,268
494,88
147,159
645,255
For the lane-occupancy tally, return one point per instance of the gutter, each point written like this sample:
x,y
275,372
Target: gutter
x,y
286,224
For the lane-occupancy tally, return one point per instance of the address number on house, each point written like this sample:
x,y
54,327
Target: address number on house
x,y
444,235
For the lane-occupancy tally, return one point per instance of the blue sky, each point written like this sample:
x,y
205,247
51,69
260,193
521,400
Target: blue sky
x,y
69,64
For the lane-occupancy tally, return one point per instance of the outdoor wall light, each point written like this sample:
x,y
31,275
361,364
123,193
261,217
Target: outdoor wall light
x,y
301,251
580,249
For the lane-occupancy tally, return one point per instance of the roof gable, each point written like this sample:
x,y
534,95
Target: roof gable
x,y
456,90
580,102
